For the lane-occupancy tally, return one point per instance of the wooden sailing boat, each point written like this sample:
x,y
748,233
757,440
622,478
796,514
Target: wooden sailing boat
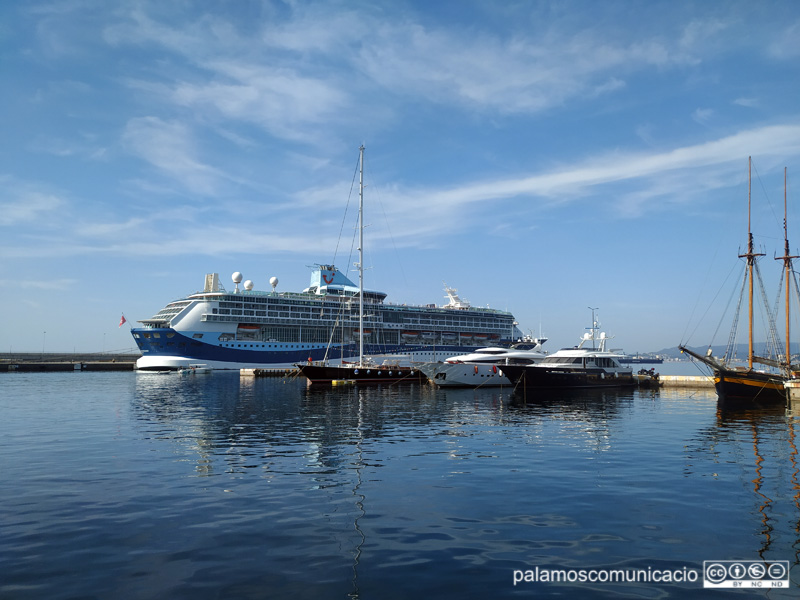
x,y
365,370
748,385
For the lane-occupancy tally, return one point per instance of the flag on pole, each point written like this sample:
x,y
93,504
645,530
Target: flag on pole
x,y
122,321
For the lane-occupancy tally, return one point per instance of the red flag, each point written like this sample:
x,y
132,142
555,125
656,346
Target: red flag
x,y
122,321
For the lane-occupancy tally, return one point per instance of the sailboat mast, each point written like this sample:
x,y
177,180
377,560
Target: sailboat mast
x,y
361,255
787,265
750,263
751,259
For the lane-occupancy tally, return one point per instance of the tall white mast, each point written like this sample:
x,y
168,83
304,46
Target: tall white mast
x,y
361,256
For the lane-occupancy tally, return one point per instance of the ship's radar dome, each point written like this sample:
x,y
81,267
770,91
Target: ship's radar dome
x,y
248,285
273,281
237,277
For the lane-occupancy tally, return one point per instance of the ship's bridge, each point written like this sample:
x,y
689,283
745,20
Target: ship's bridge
x,y
328,280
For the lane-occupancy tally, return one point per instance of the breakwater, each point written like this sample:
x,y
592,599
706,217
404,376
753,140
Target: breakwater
x,y
51,362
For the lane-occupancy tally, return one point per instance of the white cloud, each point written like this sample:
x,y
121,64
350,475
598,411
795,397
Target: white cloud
x,y
650,171
284,102
25,204
295,75
746,102
645,181
110,230
786,43
702,115
47,285
517,75
170,147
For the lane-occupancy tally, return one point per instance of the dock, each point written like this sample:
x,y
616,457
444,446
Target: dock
x,y
686,381
273,372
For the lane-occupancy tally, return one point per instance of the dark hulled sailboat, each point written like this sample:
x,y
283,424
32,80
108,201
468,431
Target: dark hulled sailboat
x,y
365,370
748,385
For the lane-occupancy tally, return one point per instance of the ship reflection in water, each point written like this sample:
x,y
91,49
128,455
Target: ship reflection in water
x,y
206,487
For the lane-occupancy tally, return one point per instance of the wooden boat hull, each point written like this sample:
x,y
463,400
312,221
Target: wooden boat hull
x,y
750,386
327,375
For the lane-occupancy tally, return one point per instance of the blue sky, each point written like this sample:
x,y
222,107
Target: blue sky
x,y
542,157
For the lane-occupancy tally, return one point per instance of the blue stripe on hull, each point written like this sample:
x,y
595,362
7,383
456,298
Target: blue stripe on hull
x,y
172,344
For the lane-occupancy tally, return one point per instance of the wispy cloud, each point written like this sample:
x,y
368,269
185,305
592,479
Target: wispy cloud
x,y
110,230
786,43
653,175
645,181
746,102
169,147
25,203
46,285
702,115
516,75
294,77
282,101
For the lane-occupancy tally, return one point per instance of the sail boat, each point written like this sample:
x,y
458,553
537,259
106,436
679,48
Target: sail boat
x,y
365,370
747,385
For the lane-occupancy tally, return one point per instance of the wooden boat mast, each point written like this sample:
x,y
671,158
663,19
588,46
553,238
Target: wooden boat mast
x,y
787,265
751,261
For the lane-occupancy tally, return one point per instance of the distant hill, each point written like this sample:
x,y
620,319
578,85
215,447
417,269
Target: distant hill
x,y
741,350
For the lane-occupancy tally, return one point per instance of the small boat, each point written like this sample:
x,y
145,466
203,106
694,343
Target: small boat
x,y
195,369
482,368
577,367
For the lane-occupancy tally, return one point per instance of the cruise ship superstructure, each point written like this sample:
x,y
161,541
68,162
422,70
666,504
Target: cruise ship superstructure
x,y
245,328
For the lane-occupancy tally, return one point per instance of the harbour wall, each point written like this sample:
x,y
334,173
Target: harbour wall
x,y
60,362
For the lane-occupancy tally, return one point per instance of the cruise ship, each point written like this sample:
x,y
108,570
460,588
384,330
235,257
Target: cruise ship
x,y
246,328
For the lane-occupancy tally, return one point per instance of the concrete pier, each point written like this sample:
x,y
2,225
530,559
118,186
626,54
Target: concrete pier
x,y
686,381
64,362
288,372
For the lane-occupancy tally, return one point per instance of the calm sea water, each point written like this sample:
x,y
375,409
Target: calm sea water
x,y
126,485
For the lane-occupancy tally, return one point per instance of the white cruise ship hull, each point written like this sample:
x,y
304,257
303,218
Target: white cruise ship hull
x,y
249,329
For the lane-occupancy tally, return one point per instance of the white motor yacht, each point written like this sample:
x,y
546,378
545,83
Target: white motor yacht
x,y
482,368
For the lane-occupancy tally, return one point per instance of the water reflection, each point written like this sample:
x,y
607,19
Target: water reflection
x,y
761,443
562,479
592,413
226,414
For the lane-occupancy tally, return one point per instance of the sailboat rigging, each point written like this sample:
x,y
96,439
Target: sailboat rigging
x,y
365,370
747,384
